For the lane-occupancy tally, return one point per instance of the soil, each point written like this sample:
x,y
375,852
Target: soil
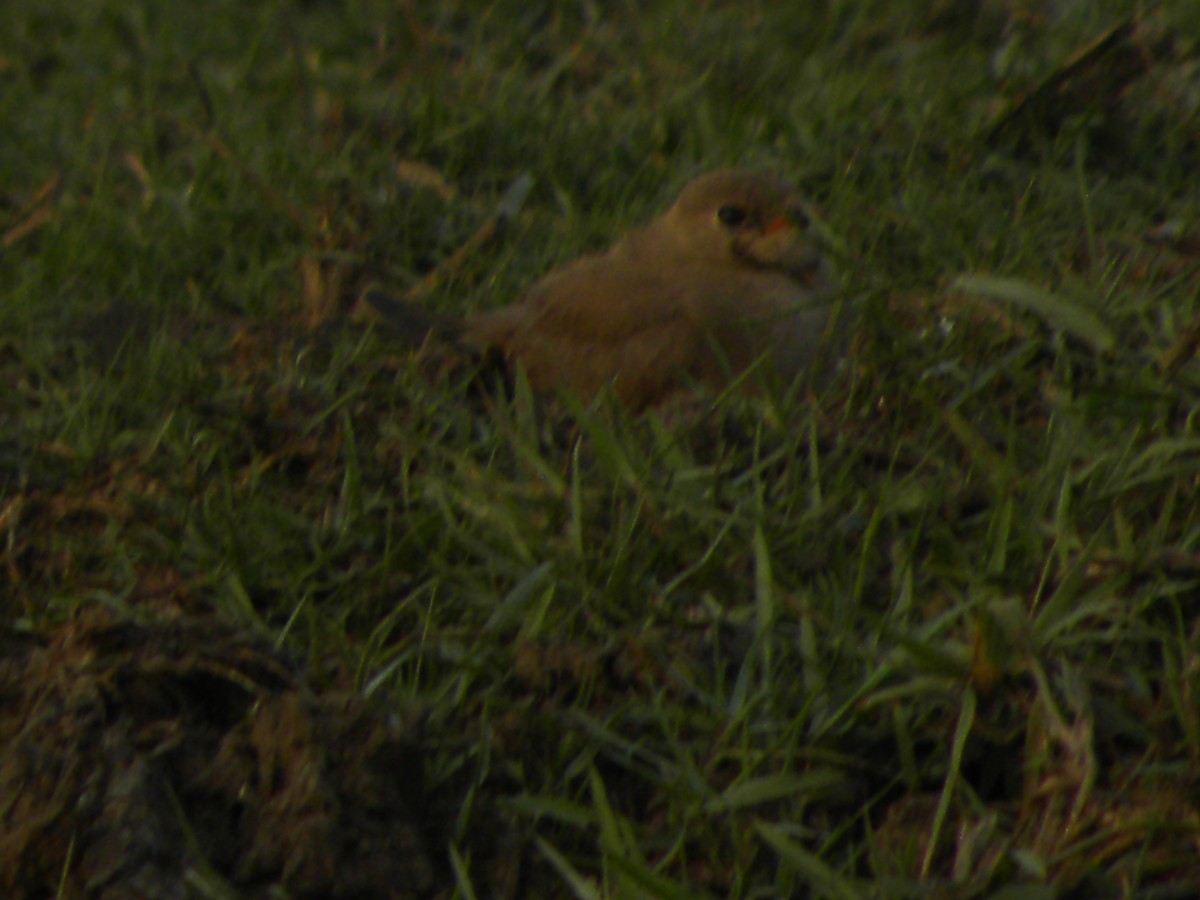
x,y
184,759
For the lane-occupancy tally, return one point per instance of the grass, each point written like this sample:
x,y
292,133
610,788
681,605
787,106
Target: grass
x,y
935,632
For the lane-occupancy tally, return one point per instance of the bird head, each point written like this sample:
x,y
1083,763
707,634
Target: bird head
x,y
747,219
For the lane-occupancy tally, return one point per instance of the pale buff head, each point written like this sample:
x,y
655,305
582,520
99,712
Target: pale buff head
x,y
744,218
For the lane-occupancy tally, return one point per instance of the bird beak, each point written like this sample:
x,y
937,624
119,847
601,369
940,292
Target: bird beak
x,y
797,215
779,223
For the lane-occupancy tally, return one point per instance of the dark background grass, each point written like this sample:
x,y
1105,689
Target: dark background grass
x,y
934,629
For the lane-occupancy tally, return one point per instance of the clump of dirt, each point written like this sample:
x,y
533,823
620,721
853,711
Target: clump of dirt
x,y
182,758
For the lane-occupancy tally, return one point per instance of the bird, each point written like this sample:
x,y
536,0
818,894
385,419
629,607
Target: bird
x,y
732,277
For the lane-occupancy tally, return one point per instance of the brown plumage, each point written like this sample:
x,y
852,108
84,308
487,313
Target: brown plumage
x,y
726,276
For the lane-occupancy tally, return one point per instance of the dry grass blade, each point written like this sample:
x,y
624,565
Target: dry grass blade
x,y
1093,76
35,213
506,209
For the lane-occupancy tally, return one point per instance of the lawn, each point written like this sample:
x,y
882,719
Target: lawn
x,y
285,602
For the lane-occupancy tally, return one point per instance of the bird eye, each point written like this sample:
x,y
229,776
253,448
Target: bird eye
x,y
732,216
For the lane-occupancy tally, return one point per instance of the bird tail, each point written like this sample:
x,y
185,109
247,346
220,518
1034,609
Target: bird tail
x,y
411,323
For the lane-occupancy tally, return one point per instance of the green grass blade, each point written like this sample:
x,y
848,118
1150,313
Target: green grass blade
x,y
820,878
1056,310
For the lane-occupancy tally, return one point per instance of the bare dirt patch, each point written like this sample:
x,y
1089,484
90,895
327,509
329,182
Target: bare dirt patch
x,y
170,759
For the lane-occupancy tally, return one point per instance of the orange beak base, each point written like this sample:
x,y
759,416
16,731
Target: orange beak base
x,y
779,223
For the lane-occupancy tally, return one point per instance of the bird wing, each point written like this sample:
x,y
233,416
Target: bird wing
x,y
598,321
